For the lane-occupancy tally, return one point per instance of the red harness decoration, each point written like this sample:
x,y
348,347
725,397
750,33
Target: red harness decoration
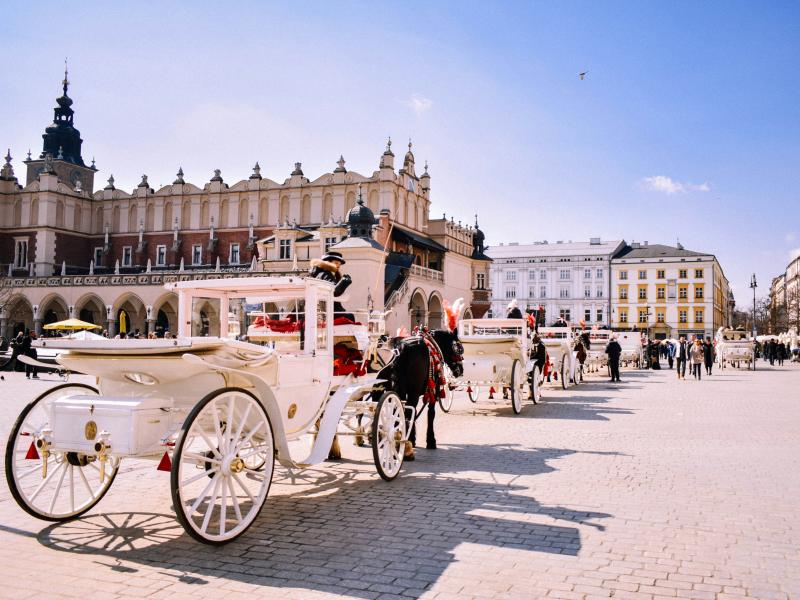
x,y
435,367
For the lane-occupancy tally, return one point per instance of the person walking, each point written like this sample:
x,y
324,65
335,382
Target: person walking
x,y
613,349
31,372
696,358
781,353
670,349
16,350
772,349
682,355
656,364
708,354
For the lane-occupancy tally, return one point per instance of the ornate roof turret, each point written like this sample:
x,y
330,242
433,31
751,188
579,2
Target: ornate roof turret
x,y
298,170
179,178
387,158
425,180
256,172
7,172
408,161
217,175
360,219
478,242
61,139
110,185
340,165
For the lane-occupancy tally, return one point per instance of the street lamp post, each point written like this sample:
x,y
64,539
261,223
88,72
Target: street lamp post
x,y
753,286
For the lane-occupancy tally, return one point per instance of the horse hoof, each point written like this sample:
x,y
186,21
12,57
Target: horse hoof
x,y
408,452
359,441
334,456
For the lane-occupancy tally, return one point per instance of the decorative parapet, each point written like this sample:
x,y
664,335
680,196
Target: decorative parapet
x,y
157,278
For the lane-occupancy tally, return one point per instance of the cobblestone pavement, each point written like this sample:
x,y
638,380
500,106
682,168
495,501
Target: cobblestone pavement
x,y
654,488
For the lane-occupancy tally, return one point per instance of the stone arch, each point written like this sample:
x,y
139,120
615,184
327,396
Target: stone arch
x,y
116,224
468,314
372,201
244,212
165,314
435,311
205,318
351,200
33,218
97,226
17,212
395,207
305,210
91,308
167,225
60,213
132,213
263,211
186,215
283,215
204,214
223,213
53,308
150,217
19,315
77,218
418,308
129,308
327,207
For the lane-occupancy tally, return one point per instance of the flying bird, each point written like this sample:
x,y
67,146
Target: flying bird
x,y
582,75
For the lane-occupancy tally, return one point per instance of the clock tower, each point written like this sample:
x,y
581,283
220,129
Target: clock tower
x,y
63,143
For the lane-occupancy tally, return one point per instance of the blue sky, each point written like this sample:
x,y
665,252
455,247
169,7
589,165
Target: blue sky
x,y
687,125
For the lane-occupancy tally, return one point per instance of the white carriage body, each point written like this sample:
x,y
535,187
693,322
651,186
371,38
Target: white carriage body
x,y
490,348
560,344
734,345
598,339
631,344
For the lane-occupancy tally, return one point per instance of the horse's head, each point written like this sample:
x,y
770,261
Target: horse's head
x,y
452,350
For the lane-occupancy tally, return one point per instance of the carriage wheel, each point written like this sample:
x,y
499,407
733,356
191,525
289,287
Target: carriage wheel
x,y
218,497
533,384
563,374
388,435
517,387
446,403
71,484
472,393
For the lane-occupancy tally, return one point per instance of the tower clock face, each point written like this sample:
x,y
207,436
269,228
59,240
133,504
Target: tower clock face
x,y
75,177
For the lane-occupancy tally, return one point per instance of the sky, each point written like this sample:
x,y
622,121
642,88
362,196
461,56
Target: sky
x,y
685,127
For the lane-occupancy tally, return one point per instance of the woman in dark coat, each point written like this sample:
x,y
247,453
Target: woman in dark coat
x,y
708,355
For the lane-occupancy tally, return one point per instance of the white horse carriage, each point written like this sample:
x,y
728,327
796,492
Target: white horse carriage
x,y
596,357
560,344
497,359
632,349
216,412
734,347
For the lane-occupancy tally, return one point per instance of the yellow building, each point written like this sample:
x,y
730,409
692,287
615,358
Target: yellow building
x,y
668,291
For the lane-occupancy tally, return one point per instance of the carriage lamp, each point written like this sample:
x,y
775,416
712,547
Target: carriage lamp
x,y
44,448
102,448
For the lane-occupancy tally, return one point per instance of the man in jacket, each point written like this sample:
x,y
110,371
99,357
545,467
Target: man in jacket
x,y
613,349
708,354
670,354
328,269
681,356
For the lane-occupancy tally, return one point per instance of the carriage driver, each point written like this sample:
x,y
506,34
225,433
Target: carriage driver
x,y
328,268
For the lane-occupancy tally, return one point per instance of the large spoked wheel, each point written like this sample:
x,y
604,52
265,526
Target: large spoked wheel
x,y
446,403
563,374
222,467
472,393
534,385
388,435
54,486
517,388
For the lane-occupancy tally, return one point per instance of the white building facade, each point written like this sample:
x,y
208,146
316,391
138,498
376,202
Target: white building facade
x,y
562,279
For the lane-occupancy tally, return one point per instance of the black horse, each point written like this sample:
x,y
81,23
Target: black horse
x,y
408,373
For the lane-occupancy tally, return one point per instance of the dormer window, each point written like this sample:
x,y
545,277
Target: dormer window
x,y
412,185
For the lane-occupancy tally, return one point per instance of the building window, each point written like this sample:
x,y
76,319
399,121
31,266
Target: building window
x,y
600,315
127,255
683,292
599,274
563,274
682,274
285,250
161,256
587,292
642,293
623,293
660,316
542,274
480,281
98,255
683,316
563,293
511,275
642,274
564,314
698,273
623,316
21,253
661,293
511,293
599,292
587,315
234,254
698,293
661,274
698,316
532,274
197,254
643,316
623,275
587,273
330,241
543,292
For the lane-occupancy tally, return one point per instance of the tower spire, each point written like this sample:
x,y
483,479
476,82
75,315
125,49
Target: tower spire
x,y
65,83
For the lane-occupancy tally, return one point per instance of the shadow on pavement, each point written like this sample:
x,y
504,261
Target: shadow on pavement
x,y
348,535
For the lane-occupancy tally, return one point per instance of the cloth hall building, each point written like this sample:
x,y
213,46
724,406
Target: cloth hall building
x,y
102,255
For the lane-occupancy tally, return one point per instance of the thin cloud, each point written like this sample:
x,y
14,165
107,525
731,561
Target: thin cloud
x,y
794,253
419,104
789,238
667,185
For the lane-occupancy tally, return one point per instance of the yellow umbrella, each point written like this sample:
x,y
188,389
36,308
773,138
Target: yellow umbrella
x,y
72,324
